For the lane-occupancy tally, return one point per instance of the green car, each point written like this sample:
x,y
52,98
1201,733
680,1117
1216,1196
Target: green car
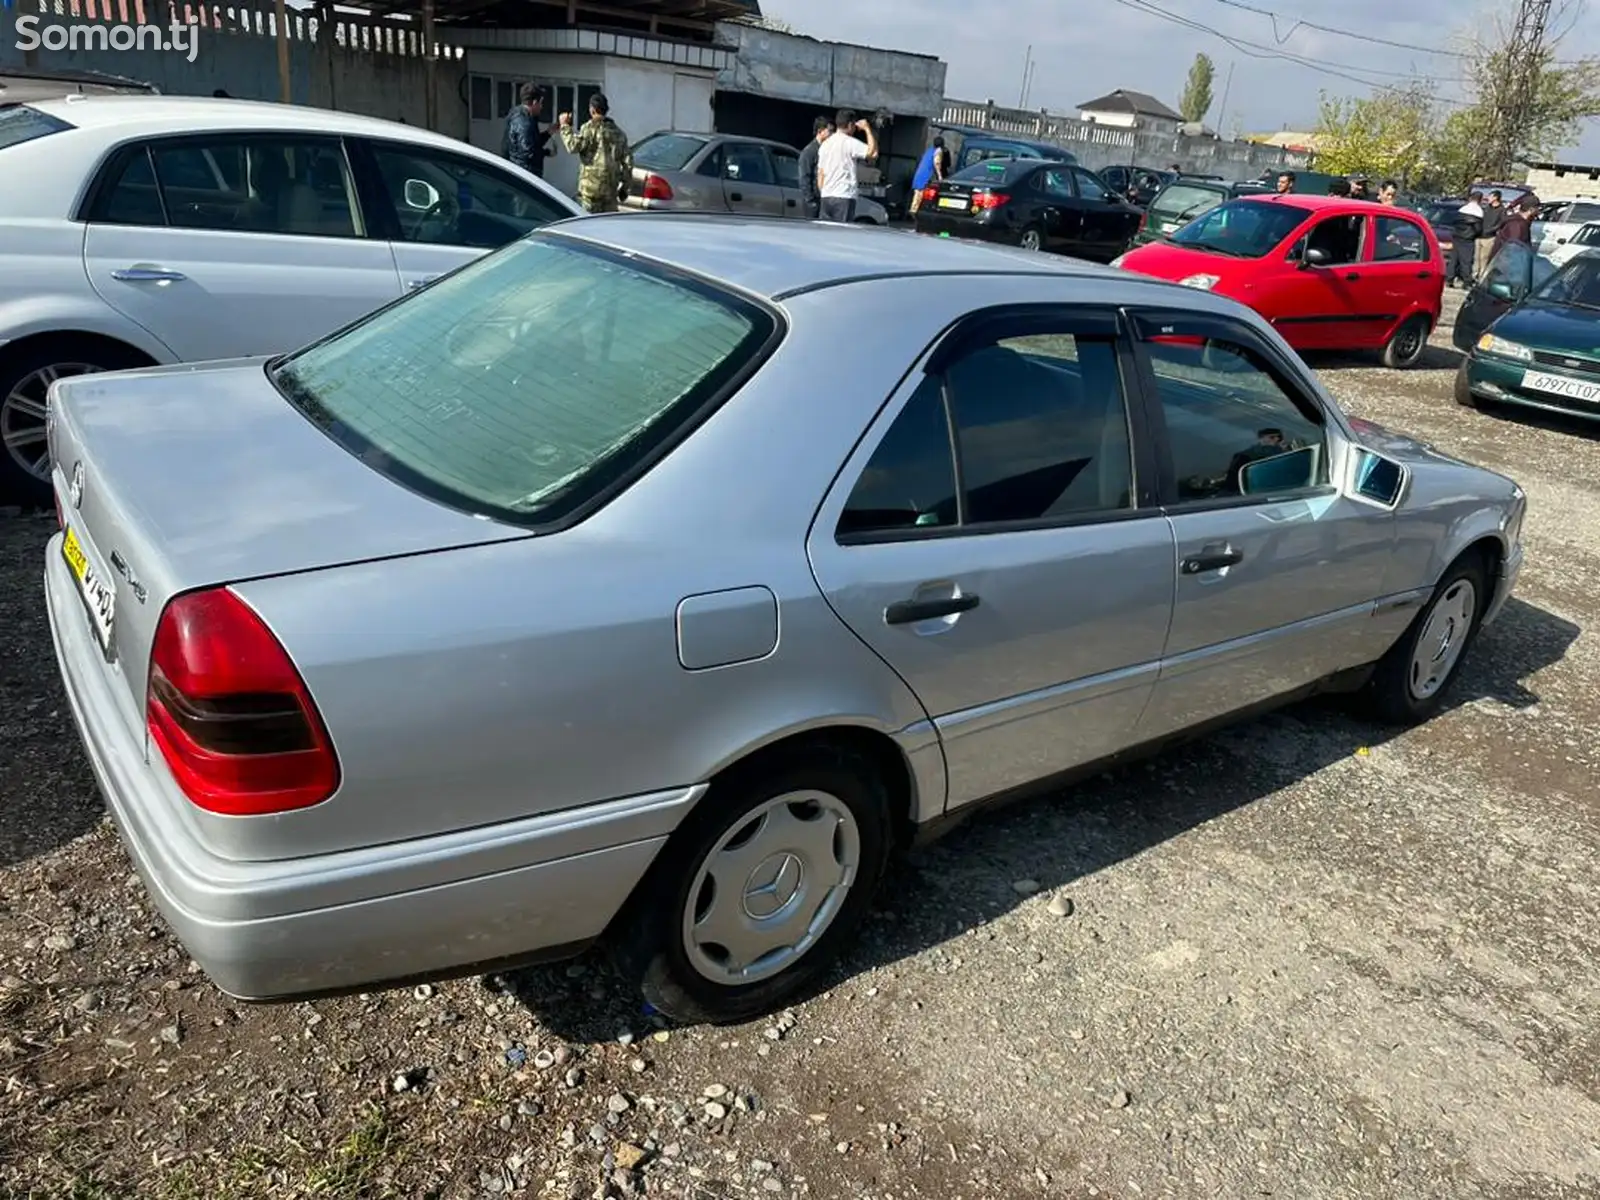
x,y
1543,349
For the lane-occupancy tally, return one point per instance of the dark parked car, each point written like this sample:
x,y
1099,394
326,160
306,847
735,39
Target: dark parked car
x,y
969,146
1036,205
1543,349
1441,215
1184,199
1138,185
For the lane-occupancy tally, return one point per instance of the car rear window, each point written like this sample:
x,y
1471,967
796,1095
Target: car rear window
x,y
667,151
530,383
20,123
1180,201
995,172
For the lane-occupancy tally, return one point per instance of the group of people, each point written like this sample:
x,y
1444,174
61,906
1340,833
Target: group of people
x,y
605,161
1484,224
830,184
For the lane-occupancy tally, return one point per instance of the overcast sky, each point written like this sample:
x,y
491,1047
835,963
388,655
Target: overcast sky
x,y
1085,48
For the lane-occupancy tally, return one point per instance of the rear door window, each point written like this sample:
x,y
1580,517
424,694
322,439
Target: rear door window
x,y
526,385
1398,240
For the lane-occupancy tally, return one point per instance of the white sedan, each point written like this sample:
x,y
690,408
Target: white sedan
x,y
140,230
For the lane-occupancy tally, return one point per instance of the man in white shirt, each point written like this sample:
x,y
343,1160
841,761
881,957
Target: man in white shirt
x,y
836,166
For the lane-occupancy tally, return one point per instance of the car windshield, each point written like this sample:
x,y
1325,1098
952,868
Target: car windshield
x,y
995,172
1242,228
1181,201
1577,283
19,123
525,385
667,151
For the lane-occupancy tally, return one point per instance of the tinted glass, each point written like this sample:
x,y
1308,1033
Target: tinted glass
x,y
746,163
1181,201
1224,410
134,198
1589,235
443,200
1584,211
261,185
521,386
995,172
1055,182
1577,283
1399,241
786,165
667,151
909,483
19,123
1042,429
1242,228
710,166
1089,187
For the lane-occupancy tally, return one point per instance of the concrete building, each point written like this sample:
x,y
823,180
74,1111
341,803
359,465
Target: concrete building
x,y
1564,179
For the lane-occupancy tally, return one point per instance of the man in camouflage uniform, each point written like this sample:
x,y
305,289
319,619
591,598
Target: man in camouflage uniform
x,y
602,150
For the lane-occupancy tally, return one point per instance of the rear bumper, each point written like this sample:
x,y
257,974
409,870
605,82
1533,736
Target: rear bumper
x,y
428,907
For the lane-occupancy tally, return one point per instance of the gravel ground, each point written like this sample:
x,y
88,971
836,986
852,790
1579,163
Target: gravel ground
x,y
1304,958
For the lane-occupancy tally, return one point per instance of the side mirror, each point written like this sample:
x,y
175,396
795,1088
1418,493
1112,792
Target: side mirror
x,y
1314,257
1500,289
1281,473
1379,479
1561,241
421,194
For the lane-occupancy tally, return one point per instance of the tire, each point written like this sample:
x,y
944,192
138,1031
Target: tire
x,y
746,822
1032,239
1463,392
1404,689
1408,343
24,462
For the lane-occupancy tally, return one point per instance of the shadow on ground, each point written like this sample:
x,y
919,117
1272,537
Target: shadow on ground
x,y
1434,358
966,879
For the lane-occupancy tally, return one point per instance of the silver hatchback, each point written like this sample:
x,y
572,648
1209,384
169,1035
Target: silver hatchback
x,y
713,172
614,587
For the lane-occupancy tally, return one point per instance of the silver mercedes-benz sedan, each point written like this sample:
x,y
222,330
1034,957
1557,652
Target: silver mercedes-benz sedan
x,y
655,578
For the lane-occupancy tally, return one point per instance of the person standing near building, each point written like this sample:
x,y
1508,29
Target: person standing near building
x,y
930,172
1494,216
525,144
836,166
810,197
605,161
1464,234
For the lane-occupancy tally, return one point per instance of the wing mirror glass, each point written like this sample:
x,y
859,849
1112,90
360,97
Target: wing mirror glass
x,y
1281,473
1379,479
421,194
1500,289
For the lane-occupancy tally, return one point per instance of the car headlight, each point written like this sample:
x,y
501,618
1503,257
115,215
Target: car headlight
x,y
1203,282
1490,344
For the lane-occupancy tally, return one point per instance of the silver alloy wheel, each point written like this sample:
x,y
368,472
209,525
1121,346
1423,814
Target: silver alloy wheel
x,y
1442,639
24,411
770,887
1031,239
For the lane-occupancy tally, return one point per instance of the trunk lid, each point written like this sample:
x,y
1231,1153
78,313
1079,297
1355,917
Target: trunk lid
x,y
180,477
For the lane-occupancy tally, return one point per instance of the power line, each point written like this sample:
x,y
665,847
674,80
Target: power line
x,y
1345,33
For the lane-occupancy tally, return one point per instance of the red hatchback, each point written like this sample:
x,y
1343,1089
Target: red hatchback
x,y
1329,274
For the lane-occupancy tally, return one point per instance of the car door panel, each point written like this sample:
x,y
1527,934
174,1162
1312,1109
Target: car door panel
x,y
1062,214
1106,227
248,289
786,167
748,183
1400,276
1319,307
1035,649
1270,595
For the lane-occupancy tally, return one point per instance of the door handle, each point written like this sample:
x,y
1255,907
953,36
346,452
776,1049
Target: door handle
x,y
909,612
1353,275
1212,558
416,285
1424,274
144,274
790,203
736,196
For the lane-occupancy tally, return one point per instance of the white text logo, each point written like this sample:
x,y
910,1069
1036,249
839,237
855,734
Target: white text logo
x,y
176,37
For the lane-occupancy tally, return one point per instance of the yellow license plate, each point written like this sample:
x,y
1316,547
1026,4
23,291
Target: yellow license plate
x,y
98,593
948,202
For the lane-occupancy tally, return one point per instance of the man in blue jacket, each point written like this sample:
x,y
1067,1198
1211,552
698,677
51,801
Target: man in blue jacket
x,y
525,144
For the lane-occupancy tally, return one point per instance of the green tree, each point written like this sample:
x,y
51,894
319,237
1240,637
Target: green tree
x,y
1196,100
1388,134
1565,94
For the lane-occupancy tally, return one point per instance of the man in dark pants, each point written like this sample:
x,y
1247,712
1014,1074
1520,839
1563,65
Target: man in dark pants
x,y
1494,216
525,144
810,197
1464,232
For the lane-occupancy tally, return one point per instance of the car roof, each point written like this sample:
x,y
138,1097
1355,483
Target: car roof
x,y
1324,204
774,257
115,113
712,139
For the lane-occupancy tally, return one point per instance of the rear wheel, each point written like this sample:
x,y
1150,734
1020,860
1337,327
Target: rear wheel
x,y
1407,344
761,888
1032,239
25,379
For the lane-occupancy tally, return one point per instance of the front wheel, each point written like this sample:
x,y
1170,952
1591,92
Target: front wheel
x,y
762,888
1463,389
1406,346
1032,239
1414,677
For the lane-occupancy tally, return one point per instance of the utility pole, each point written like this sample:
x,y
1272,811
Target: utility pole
x,y
1027,69
1222,109
1519,86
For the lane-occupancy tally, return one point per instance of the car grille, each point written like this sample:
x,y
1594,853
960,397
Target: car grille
x,y
1587,366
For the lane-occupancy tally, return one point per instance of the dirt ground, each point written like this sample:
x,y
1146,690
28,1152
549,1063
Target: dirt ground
x,y
1302,959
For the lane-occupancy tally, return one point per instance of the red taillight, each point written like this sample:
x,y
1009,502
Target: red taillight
x,y
982,201
656,188
230,713
930,194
